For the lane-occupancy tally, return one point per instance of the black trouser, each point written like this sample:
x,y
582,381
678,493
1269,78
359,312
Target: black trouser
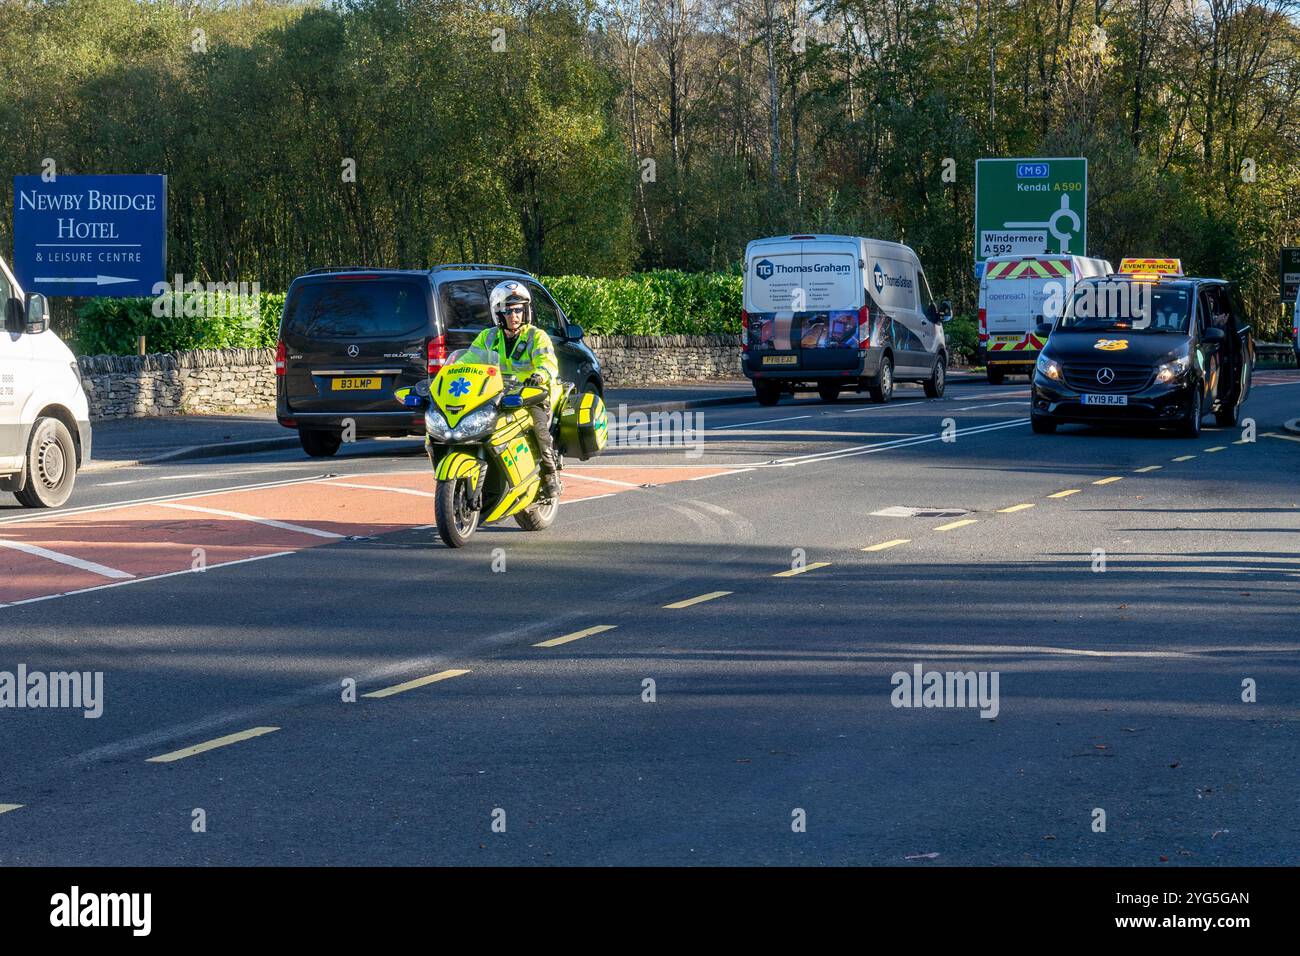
x,y
545,444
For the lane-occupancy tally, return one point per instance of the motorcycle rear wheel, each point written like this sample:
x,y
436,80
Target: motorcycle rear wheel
x,y
456,519
538,517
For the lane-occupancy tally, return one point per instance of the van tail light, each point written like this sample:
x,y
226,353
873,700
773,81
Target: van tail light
x,y
864,327
744,330
984,326
281,355
437,354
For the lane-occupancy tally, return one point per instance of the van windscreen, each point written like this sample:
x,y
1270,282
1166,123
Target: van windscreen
x,y
352,308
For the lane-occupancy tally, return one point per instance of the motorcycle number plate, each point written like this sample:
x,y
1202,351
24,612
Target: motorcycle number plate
x,y
355,384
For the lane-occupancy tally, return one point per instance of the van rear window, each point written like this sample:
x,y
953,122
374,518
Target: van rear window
x,y
358,308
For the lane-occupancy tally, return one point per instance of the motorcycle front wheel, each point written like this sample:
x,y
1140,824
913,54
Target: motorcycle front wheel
x,y
457,519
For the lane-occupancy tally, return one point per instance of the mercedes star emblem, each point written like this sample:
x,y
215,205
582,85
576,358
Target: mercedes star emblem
x,y
1105,376
354,352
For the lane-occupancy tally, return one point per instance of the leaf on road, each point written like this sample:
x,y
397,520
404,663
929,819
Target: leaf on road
x,y
922,856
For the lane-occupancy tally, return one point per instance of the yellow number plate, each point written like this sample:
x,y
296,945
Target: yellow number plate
x,y
355,384
780,360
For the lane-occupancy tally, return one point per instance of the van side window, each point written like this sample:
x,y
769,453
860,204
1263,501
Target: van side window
x,y
5,292
546,314
465,304
927,299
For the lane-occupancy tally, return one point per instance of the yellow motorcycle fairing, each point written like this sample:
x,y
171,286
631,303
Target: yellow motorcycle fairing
x,y
462,387
459,465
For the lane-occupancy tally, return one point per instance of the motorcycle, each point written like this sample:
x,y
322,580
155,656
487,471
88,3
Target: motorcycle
x,y
479,436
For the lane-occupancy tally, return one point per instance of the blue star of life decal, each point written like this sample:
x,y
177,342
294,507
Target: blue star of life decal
x,y
460,387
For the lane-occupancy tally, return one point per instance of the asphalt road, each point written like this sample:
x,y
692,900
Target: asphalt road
x,y
773,735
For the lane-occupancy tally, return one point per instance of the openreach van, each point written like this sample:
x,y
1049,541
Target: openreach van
x,y
839,312
44,416
1019,293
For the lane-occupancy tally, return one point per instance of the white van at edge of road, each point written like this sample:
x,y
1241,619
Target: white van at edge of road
x,y
839,312
1014,293
44,416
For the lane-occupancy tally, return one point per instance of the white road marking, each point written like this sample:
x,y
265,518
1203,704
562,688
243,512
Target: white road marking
x,y
401,491
240,516
80,563
770,421
967,408
882,446
151,577
606,481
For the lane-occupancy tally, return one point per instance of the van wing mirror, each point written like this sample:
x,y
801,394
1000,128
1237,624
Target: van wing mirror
x,y
945,309
38,313
1043,329
1213,334
573,332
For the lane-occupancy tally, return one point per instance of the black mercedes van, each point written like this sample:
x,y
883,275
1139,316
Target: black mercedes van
x,y
1161,349
351,336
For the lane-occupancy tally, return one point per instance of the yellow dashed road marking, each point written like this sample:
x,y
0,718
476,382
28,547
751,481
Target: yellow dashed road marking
x,y
887,544
1283,437
1141,471
807,567
1065,494
412,684
6,807
225,741
696,600
955,524
1013,508
1107,481
1215,448
576,635
1183,458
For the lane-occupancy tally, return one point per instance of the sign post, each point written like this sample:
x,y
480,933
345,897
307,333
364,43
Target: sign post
x,y
1031,206
90,235
1289,273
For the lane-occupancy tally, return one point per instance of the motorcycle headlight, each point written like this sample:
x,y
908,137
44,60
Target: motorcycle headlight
x,y
1172,371
1048,367
475,424
436,425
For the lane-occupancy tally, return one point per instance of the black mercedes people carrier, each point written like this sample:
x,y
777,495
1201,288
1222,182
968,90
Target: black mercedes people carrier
x,y
350,336
1157,348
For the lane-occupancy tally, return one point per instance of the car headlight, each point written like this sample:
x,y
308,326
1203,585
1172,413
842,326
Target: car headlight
x,y
1172,371
436,425
1048,368
475,424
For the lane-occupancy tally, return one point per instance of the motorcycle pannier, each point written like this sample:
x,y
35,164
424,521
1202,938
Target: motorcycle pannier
x,y
583,429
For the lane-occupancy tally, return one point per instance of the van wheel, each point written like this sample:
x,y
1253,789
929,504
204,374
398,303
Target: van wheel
x,y
995,377
319,444
934,387
829,391
885,390
1191,427
51,466
767,393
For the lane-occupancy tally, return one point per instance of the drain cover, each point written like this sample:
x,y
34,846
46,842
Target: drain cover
x,y
900,511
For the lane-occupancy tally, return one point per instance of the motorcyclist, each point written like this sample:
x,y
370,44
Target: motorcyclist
x,y
526,352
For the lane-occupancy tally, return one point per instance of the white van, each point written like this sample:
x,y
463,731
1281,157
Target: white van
x,y
44,416
839,312
1019,293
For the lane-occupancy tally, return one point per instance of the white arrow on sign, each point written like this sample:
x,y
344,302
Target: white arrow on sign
x,y
89,280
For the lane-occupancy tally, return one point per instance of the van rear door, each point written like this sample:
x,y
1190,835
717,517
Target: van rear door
x,y
351,340
803,298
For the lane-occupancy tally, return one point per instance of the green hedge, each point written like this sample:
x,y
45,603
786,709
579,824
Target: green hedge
x,y
963,337
198,321
663,302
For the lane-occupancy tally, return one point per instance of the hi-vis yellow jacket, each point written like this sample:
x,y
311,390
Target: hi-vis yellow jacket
x,y
533,353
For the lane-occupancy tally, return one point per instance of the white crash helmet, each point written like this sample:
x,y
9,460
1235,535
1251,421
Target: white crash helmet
x,y
510,292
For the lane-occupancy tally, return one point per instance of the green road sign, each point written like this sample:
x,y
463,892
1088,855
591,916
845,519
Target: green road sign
x,y
1289,273
1026,206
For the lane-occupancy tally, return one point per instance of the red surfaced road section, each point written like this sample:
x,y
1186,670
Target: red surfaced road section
x,y
146,540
